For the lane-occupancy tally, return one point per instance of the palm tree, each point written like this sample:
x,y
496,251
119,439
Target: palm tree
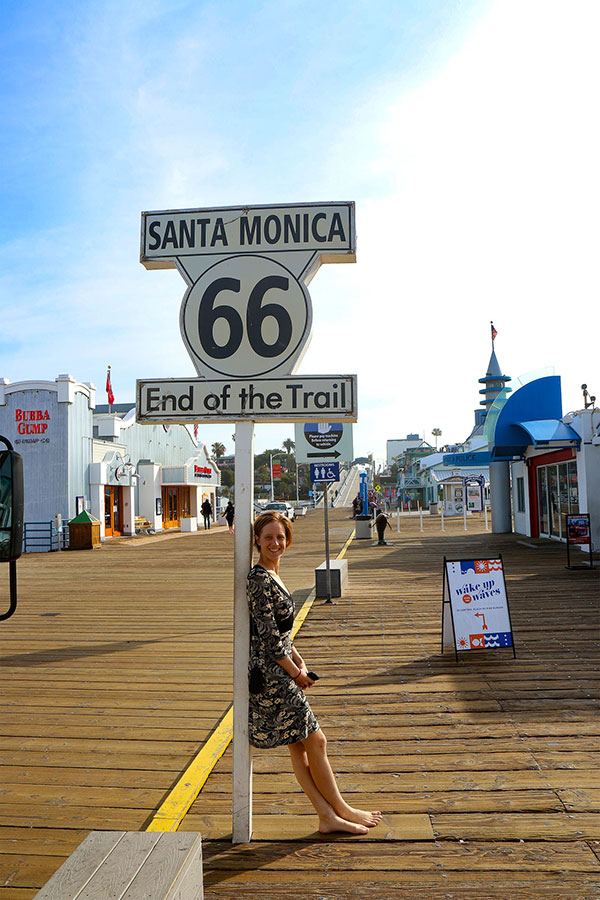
x,y
288,445
436,432
218,450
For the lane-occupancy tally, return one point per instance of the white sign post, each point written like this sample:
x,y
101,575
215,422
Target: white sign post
x,y
246,320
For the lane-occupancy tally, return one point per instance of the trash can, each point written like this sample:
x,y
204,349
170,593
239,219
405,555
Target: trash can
x,y
84,532
433,509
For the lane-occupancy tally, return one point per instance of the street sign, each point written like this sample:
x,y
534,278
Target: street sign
x,y
247,312
246,320
307,397
324,472
324,440
246,316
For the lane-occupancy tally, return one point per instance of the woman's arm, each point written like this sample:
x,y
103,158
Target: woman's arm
x,y
298,659
296,670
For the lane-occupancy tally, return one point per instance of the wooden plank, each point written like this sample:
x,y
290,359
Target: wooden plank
x,y
84,862
384,782
582,799
423,888
285,827
400,856
416,762
439,801
131,866
517,826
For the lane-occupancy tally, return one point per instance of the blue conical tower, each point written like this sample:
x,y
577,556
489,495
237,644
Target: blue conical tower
x,y
494,382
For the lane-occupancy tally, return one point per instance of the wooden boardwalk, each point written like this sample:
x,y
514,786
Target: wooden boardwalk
x,y
117,666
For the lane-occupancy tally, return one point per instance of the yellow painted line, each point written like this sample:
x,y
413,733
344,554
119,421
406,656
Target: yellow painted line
x,y
342,552
174,808
172,811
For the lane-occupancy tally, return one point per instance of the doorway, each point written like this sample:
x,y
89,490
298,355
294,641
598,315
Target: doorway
x,y
113,506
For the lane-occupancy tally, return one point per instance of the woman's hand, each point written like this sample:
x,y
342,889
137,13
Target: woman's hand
x,y
302,679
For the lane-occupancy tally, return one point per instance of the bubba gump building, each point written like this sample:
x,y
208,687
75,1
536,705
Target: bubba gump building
x,y
79,456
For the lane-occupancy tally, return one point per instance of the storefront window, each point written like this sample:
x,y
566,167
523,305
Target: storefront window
x,y
520,495
558,495
553,498
573,487
543,501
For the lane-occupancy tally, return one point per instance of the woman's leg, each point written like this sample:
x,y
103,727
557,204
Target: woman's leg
x,y
324,779
328,819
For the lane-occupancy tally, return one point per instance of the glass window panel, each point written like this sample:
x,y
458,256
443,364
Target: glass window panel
x,y
543,501
563,494
553,498
573,487
520,495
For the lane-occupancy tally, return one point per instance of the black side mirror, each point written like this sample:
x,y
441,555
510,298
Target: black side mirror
x,y
11,504
11,517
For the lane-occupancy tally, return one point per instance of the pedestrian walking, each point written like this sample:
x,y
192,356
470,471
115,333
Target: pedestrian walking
x,y
279,713
229,515
206,510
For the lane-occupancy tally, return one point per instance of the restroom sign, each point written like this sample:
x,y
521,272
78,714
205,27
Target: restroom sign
x,y
247,312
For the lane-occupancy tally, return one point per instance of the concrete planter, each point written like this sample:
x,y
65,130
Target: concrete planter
x,y
189,523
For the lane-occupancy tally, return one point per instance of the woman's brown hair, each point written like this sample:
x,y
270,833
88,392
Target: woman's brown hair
x,y
272,516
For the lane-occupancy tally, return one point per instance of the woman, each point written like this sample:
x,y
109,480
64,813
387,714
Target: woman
x,y
206,510
279,712
229,515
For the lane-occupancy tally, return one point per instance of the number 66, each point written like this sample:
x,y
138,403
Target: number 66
x,y
256,314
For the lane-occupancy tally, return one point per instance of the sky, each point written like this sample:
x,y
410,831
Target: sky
x,y
466,132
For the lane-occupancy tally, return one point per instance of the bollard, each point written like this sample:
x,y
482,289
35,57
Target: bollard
x,y
486,521
442,519
398,521
420,519
465,516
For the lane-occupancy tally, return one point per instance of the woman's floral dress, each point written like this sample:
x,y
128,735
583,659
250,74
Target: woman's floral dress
x,y
279,713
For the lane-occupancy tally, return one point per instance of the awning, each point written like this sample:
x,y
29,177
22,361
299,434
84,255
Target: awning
x,y
542,434
550,431
515,429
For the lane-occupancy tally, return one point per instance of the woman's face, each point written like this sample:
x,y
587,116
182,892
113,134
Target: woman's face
x,y
271,542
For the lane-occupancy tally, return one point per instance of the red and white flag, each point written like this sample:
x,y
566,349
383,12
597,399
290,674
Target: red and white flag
x,y
494,332
109,390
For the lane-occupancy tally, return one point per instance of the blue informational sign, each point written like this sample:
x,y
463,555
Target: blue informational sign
x,y
324,472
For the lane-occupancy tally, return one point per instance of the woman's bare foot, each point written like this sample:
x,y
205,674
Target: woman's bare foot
x,y
329,824
362,816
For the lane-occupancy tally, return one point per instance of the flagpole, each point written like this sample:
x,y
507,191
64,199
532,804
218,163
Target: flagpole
x,y
109,389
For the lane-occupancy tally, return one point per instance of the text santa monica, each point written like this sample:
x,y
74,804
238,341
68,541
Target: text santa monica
x,y
205,233
317,228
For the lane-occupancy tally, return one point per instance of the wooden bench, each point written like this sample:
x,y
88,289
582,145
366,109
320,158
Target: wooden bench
x,y
142,524
137,865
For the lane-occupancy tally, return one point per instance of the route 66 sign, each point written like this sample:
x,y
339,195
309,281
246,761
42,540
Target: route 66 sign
x,y
246,316
247,312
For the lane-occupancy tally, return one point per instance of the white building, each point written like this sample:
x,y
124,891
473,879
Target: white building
x,y
77,456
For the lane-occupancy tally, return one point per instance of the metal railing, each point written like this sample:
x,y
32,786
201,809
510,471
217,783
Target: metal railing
x,y
44,537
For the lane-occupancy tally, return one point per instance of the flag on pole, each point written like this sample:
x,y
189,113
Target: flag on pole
x,y
196,432
494,332
109,390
